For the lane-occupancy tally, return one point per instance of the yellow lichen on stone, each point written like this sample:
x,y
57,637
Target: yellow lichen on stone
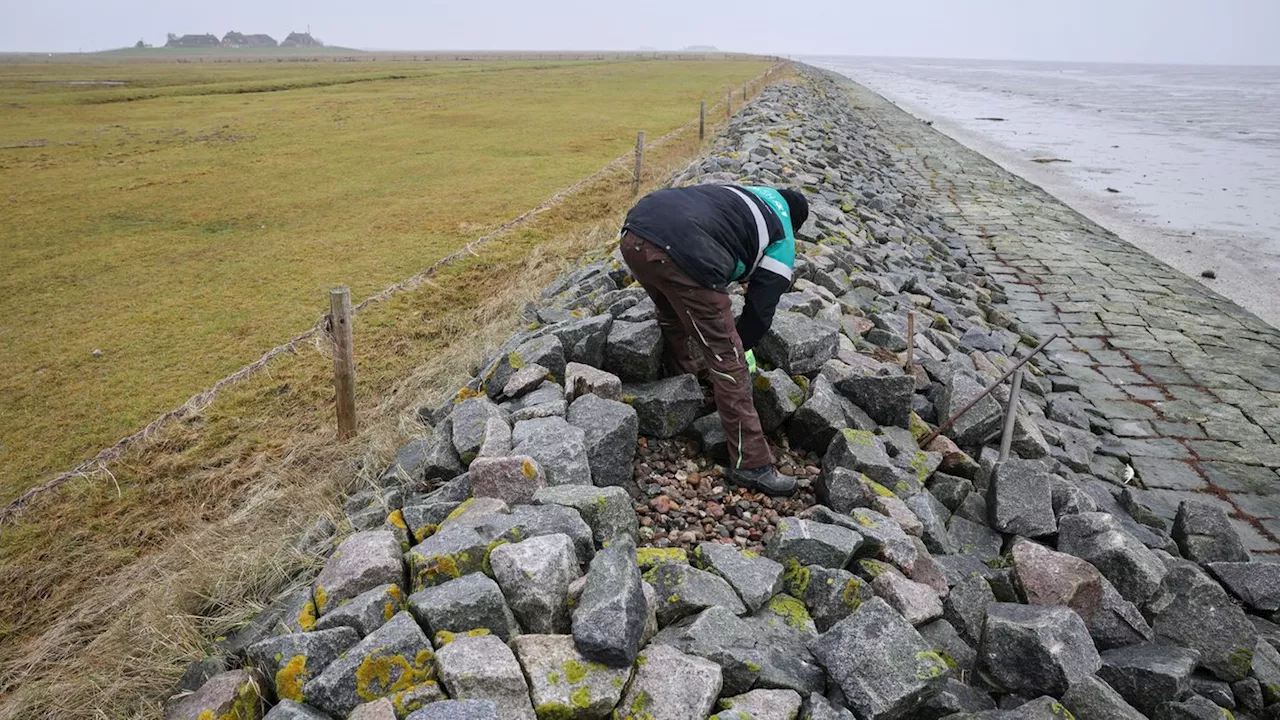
x,y
307,617
863,438
291,678
382,675
425,532
396,518
466,393
322,598
528,469
649,558
877,488
444,637
796,577
460,509
919,429
791,610
581,698
574,671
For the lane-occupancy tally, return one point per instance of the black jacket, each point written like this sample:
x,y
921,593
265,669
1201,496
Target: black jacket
x,y
712,234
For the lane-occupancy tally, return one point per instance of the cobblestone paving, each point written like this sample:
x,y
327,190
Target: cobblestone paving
x,y
1189,381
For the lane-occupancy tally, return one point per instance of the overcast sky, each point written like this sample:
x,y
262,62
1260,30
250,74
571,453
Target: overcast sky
x,y
1189,31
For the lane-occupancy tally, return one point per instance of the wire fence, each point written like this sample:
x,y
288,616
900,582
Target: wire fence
x,y
319,333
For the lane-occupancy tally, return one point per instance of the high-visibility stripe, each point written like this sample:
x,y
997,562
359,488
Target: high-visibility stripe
x,y
762,228
775,266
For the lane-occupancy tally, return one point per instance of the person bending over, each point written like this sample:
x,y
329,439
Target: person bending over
x,y
685,246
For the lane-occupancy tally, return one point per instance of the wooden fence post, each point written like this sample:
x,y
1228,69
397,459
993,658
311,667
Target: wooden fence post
x,y
702,121
344,361
911,339
635,180
744,92
728,106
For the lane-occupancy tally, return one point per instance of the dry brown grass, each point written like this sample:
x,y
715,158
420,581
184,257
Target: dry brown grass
x,y
114,583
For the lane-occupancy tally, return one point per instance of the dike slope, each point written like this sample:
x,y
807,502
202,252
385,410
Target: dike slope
x,y
495,571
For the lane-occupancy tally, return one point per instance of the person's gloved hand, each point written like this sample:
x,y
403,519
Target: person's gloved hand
x,y
751,362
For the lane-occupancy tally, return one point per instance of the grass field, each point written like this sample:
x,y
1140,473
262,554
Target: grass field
x,y
160,233
112,583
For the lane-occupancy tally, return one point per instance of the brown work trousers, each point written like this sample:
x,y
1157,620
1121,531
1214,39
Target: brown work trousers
x,y
692,315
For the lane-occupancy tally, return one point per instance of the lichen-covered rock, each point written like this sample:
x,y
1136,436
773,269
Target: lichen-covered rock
x,y
881,664
527,521
534,576
606,510
944,639
760,705
756,579
453,551
559,448
633,350
392,659
776,396
797,344
1205,535
482,667
811,543
468,603
1149,674
610,429
683,590
610,617
512,480
365,612
885,398
670,685
1021,499
1031,649
422,520
563,683
546,352
863,452
667,407
829,594
1097,538
231,694
1191,610
362,562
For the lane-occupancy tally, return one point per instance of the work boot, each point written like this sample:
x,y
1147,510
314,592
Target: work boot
x,y
763,479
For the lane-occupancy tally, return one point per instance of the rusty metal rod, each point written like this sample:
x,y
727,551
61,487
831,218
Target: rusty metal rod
x,y
969,406
1010,416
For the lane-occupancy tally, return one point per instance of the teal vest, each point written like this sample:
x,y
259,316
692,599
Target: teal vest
x,y
780,254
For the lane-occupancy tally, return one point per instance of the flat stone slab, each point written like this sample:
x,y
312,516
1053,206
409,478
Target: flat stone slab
x,y
670,685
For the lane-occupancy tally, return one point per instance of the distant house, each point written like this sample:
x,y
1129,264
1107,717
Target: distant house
x,y
191,41
238,40
297,39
